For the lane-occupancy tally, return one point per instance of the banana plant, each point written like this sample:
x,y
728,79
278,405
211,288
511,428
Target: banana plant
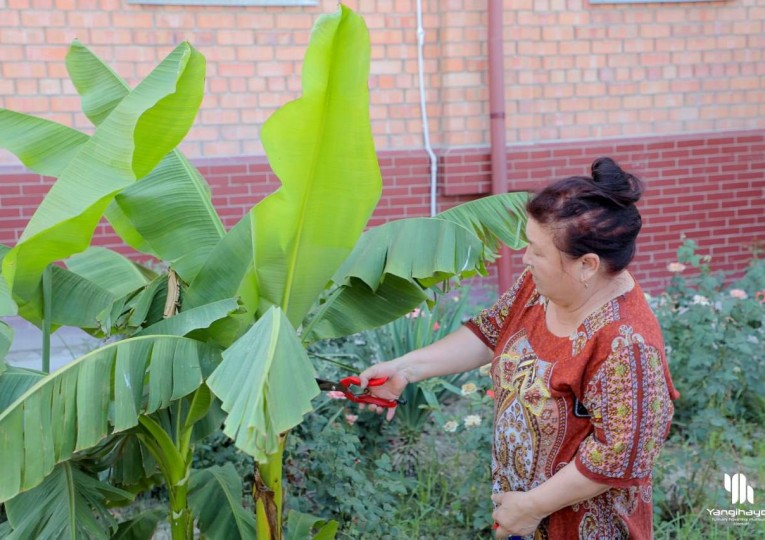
x,y
221,335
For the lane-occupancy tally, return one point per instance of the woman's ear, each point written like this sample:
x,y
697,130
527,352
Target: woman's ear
x,y
590,264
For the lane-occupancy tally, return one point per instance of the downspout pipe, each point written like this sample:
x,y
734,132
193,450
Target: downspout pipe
x,y
424,113
497,126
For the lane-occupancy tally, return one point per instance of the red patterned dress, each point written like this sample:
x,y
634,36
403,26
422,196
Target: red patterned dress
x,y
602,397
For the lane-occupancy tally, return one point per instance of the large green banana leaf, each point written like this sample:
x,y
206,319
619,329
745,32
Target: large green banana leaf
x,y
22,134
266,383
169,214
215,497
7,308
76,300
228,271
100,88
497,219
148,123
193,319
69,503
77,406
355,307
14,381
292,241
110,270
321,148
386,275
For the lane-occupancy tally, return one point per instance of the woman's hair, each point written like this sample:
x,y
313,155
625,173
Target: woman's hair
x,y
593,214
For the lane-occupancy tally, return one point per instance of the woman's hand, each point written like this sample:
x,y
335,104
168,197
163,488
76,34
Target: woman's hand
x,y
514,515
392,388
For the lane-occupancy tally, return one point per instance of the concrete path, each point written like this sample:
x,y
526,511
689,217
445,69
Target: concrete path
x,y
66,344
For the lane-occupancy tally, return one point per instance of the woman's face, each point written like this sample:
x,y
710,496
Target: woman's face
x,y
552,270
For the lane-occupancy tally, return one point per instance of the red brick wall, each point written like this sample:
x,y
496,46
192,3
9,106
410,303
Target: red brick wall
x,y
573,70
710,187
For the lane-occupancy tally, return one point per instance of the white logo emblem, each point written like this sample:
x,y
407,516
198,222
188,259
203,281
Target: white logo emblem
x,y
739,489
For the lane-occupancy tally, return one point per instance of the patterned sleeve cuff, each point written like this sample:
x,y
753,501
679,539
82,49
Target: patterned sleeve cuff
x,y
606,480
473,327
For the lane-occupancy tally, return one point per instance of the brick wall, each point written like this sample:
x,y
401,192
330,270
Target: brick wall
x,y
573,70
709,187
674,91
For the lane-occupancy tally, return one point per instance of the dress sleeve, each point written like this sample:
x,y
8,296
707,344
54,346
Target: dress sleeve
x,y
629,398
487,325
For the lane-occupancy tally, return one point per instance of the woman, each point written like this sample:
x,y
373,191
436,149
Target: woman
x,y
583,395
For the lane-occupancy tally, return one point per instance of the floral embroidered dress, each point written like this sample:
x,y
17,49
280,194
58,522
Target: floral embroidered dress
x,y
602,397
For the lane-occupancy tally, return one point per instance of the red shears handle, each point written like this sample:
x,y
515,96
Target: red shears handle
x,y
365,397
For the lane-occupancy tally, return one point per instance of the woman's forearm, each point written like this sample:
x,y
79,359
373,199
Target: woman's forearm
x,y
460,351
519,513
566,487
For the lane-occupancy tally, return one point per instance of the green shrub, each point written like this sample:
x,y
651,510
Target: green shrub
x,y
418,329
714,331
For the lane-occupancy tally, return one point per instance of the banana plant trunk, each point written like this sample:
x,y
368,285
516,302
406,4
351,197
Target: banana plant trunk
x,y
268,495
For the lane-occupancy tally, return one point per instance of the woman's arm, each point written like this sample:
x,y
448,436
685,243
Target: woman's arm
x,y
460,351
519,513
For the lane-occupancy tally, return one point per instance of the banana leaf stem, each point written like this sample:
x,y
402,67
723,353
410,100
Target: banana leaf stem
x,y
175,465
269,496
47,291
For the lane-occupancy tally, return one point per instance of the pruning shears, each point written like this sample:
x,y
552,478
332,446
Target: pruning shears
x,y
344,386
512,537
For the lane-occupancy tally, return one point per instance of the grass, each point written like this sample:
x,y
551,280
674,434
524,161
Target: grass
x,y
702,527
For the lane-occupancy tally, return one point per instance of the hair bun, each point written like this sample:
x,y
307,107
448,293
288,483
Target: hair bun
x,y
614,183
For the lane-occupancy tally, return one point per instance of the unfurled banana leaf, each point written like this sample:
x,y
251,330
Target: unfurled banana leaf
x,y
169,214
194,319
7,308
321,148
495,219
228,272
148,123
356,307
6,339
14,381
68,504
285,250
101,88
23,135
77,406
76,301
416,249
215,497
386,275
266,383
110,270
